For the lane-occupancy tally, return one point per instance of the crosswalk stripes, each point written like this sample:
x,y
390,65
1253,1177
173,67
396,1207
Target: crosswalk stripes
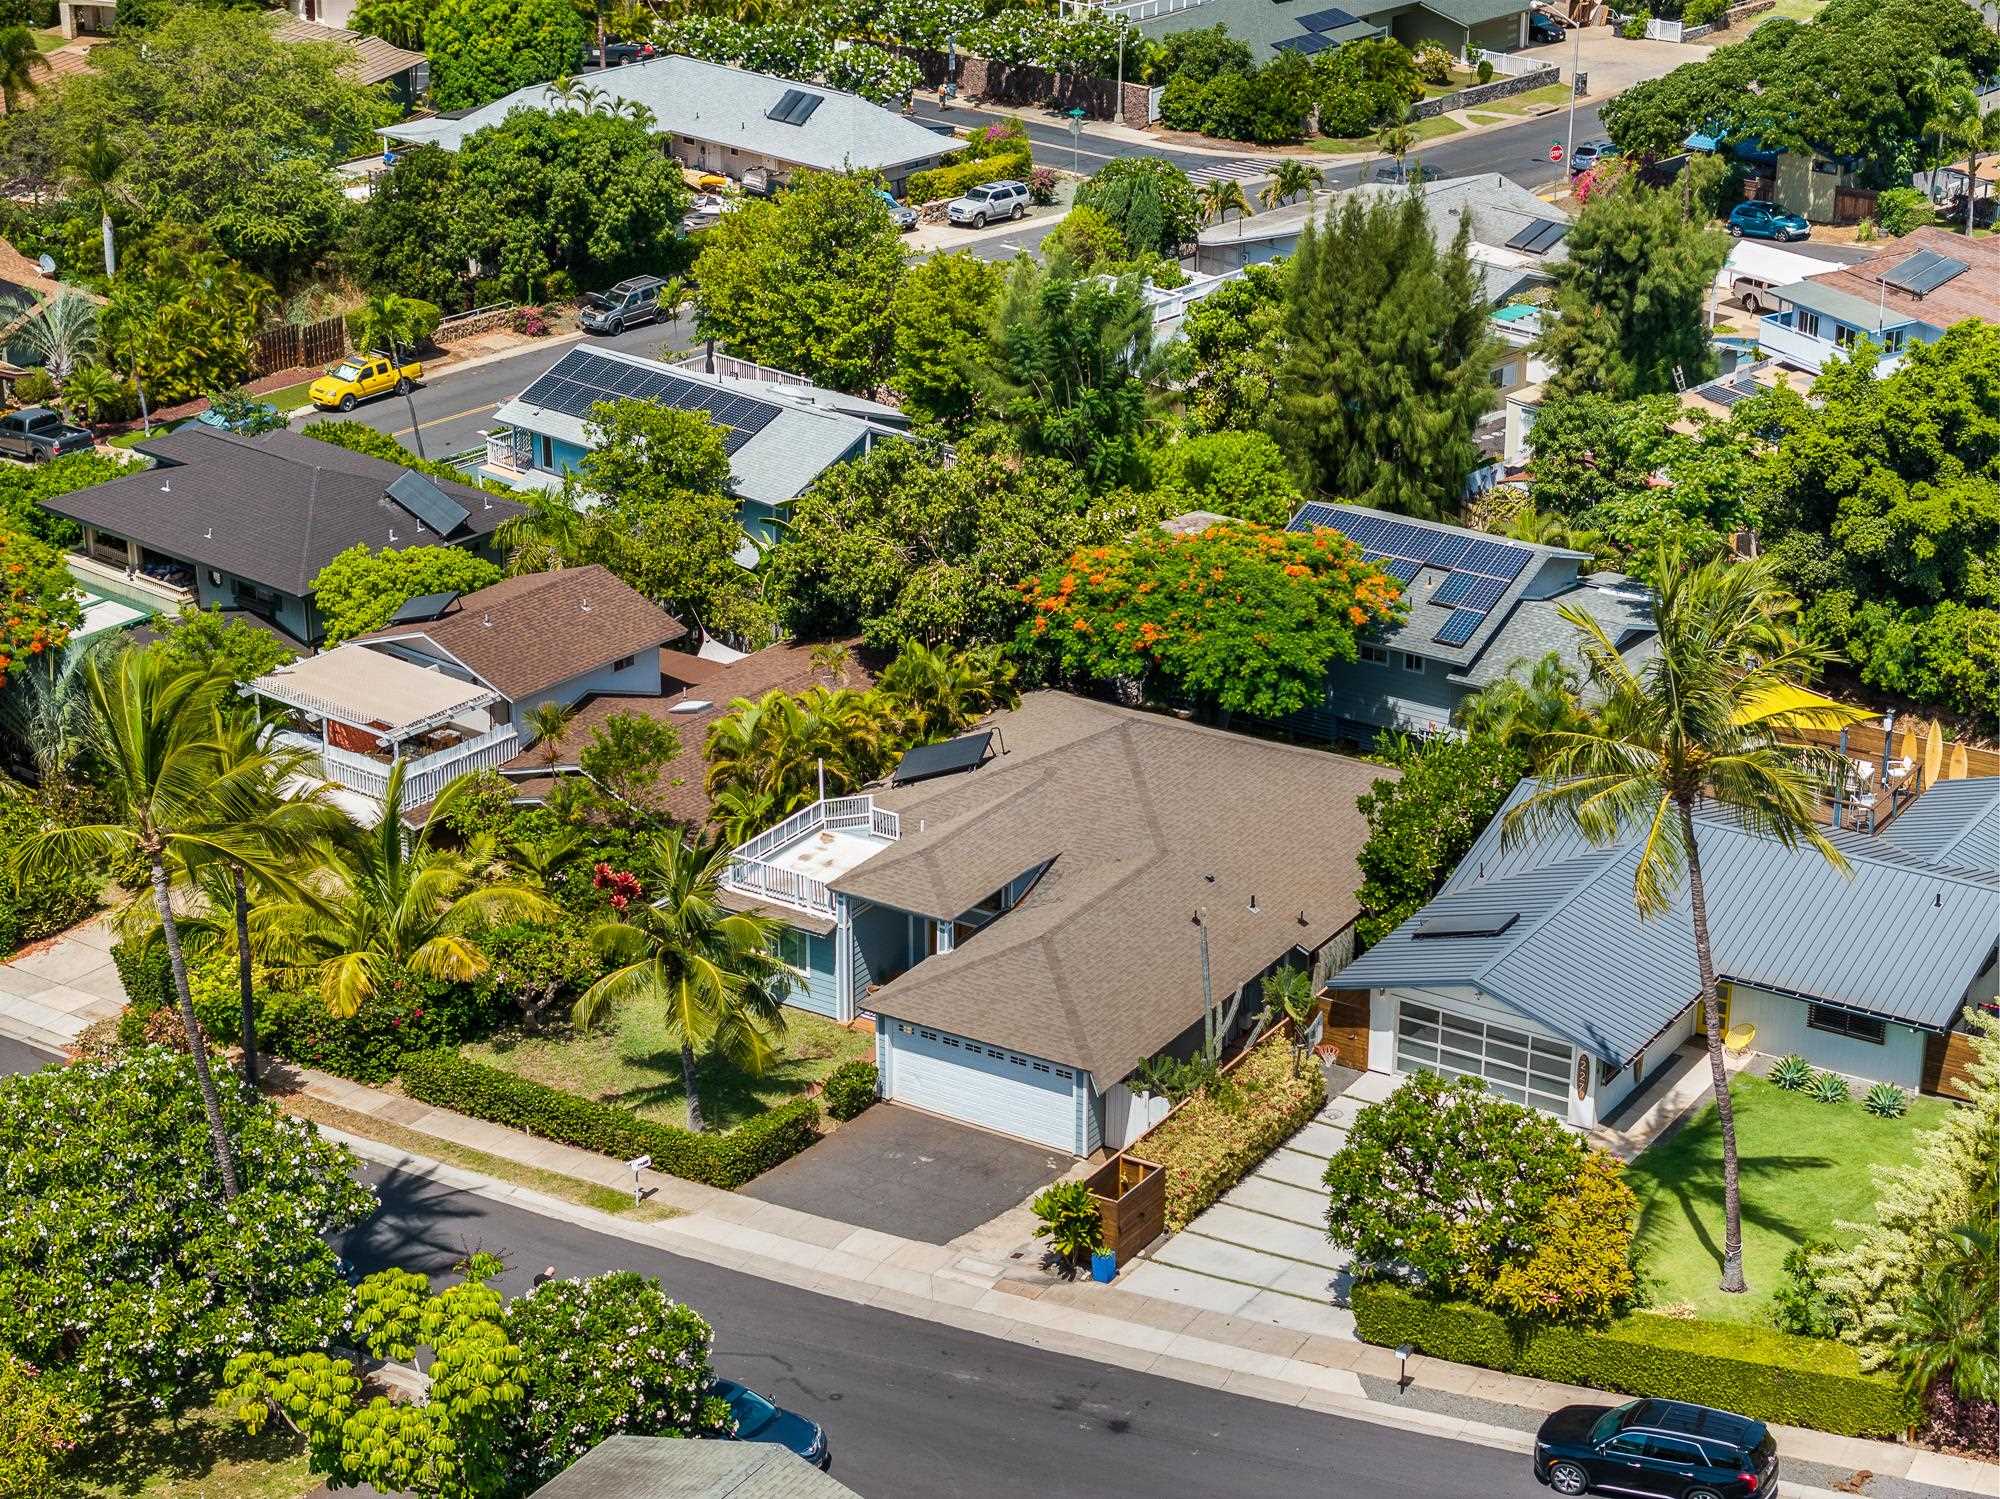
x,y
1235,171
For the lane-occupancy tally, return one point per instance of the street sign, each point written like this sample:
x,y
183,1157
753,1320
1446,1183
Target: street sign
x,y
1555,150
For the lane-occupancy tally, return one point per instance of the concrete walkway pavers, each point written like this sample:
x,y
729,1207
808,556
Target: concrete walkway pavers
x,y
51,991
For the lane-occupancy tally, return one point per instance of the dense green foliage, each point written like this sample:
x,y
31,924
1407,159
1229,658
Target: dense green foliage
x,y
1480,1197
39,600
806,282
1015,161
720,1160
124,1274
482,49
360,590
1421,823
1214,87
1365,84
850,1089
1242,475
1769,1375
23,488
1387,359
942,310
207,640
1148,200
1224,365
39,1427
34,909
1240,617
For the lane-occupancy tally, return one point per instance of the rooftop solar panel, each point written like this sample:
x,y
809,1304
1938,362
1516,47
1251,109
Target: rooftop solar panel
x,y
1403,569
1326,20
802,111
1469,591
424,606
928,760
1530,232
582,378
1305,45
1924,272
429,504
1493,559
1458,629
1491,924
783,107
1311,514
1448,549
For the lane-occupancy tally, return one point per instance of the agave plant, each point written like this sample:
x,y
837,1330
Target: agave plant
x,y
1828,1087
1793,1073
1886,1101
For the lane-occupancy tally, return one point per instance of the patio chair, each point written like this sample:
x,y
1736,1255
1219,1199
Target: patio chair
x,y
1736,1040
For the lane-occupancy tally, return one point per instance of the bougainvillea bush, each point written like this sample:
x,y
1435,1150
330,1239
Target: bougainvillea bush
x,y
1243,617
124,1275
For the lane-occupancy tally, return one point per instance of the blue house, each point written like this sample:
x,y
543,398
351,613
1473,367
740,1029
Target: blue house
x,y
1910,293
781,433
1478,606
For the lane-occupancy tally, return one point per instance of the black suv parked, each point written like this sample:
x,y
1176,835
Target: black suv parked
x,y
1656,1447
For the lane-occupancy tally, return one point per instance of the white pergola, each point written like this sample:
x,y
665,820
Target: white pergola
x,y
372,692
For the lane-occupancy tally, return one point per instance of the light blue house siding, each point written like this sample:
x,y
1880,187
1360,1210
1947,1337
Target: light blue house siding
x,y
816,984
295,616
1386,689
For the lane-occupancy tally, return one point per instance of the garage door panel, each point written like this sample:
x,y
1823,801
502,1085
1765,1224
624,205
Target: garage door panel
x,y
1514,1065
991,1087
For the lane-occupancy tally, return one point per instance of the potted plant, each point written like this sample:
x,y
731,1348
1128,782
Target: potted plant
x,y
1075,1232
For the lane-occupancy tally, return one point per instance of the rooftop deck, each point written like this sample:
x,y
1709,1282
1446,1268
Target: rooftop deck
x,y
795,863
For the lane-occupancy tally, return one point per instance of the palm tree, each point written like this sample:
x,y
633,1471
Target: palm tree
x,y
1936,94
711,972
777,749
830,660
90,391
47,708
740,813
20,61
133,337
64,332
940,694
1220,197
1523,713
549,722
399,322
93,173
1948,1332
396,900
1289,995
176,804
1981,138
542,859
1288,181
1688,728
1395,141
554,531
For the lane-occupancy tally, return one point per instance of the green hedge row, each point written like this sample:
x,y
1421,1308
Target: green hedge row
x,y
850,1089
720,1160
950,182
1756,1371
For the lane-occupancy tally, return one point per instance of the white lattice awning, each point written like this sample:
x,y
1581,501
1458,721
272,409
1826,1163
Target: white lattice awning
x,y
366,688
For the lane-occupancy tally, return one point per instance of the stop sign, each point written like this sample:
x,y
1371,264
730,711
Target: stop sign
x,y
1555,151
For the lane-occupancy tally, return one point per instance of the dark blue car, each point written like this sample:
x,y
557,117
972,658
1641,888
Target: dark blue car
x,y
758,1420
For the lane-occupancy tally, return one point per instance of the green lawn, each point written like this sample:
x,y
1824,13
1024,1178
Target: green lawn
x,y
287,397
202,1456
1421,131
49,41
1803,1165
1788,10
1520,104
630,1063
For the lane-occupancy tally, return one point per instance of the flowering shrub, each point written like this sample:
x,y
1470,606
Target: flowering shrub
x,y
124,1276
1242,616
1042,186
1473,1196
622,884
607,1356
1209,1142
529,322
37,1428
42,604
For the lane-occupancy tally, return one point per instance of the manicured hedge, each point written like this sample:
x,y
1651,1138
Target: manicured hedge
x,y
850,1089
145,972
720,1160
1207,1144
949,182
1756,1371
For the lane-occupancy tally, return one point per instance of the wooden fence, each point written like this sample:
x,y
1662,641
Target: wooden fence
x,y
1865,741
293,346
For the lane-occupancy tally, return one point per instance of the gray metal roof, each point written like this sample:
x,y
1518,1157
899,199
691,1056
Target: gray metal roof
x,y
1955,823
625,1467
1899,937
1263,24
708,101
1864,313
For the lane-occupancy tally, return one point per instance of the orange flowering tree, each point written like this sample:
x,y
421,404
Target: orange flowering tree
x,y
41,600
1243,617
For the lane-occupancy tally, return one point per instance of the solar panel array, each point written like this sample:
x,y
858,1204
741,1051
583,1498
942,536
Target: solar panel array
x,y
795,107
1305,45
429,504
1326,20
1539,237
1480,571
425,606
582,378
1924,272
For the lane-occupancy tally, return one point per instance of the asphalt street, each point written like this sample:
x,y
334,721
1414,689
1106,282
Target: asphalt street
x,y
917,1410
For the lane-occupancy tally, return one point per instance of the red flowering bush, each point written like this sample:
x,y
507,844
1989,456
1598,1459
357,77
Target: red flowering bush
x,y
622,883
1241,616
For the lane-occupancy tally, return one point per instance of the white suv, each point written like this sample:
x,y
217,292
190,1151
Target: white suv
x,y
987,202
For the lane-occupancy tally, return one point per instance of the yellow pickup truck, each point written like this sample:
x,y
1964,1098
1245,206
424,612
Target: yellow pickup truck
x,y
361,377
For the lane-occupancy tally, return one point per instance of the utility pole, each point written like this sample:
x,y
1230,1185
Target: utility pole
x,y
1211,1043
1575,62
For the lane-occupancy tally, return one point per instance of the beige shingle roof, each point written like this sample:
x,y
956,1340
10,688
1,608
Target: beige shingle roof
x,y
374,60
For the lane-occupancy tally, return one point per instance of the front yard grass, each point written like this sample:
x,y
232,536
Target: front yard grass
x,y
202,1456
1518,104
628,1061
1802,1166
1421,131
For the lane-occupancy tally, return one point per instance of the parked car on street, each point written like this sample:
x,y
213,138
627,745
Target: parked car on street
x,y
36,434
1544,28
904,215
1664,1447
631,302
758,1420
362,377
1590,154
988,202
1762,221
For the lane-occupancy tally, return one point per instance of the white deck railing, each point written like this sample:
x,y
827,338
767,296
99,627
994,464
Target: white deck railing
x,y
751,873
1149,10
423,777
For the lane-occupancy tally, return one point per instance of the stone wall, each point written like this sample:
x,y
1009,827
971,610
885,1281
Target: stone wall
x,y
1729,18
1018,84
471,324
1485,93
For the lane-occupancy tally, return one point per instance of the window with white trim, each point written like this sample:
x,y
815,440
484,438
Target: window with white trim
x,y
1519,1067
1377,655
1413,663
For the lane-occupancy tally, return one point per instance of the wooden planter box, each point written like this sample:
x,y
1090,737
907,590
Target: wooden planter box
x,y
1131,1197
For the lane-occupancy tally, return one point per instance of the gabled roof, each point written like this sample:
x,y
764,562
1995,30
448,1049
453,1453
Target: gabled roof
x,y
274,509
1866,293
627,1467
529,633
1952,823
371,59
708,101
1140,820
1900,937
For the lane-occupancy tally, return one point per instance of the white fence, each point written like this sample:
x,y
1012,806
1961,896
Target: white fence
x,y
423,778
1664,31
751,874
1506,65
1149,10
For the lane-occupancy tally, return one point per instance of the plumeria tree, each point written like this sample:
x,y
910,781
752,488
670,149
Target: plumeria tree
x,y
1241,617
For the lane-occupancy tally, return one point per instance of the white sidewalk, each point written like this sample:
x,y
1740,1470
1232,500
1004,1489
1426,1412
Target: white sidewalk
x,y
52,990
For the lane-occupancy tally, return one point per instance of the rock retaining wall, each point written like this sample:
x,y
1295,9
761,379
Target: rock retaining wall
x,y
1486,93
1018,84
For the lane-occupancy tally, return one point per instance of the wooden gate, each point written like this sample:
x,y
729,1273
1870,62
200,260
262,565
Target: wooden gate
x,y
1948,1059
292,346
1347,1027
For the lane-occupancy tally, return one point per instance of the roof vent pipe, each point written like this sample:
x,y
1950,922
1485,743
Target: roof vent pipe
x,y
486,619
1253,901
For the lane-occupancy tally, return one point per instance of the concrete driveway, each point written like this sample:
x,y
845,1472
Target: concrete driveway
x,y
1613,64
905,1172
52,990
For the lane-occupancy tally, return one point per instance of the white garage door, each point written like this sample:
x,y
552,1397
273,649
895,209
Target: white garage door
x,y
988,1086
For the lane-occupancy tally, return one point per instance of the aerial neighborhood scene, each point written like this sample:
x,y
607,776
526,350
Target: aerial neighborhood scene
x,y
1080,749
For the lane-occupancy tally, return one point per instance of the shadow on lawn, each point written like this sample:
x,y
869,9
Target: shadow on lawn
x,y
1686,1186
127,1459
728,1094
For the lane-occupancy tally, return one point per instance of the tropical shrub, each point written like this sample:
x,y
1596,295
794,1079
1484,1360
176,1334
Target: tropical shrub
x,y
1900,210
40,908
1801,1304
1792,1073
529,322
1177,1079
850,1089
1760,1372
536,973
1433,63
1069,1221
38,1426
725,1160
1828,1087
1471,1195
112,1219
1703,12
1209,1142
1422,822
950,182
612,1355
1886,1101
